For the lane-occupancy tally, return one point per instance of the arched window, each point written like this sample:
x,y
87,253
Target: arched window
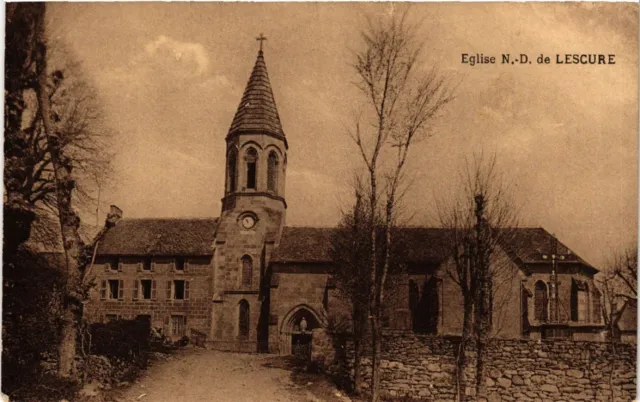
x,y
524,299
540,302
272,172
247,270
252,162
243,319
232,171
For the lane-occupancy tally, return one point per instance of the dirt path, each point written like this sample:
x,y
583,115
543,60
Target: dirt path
x,y
197,375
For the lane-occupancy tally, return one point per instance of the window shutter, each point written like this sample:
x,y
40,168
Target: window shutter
x,y
119,266
136,289
185,265
172,265
153,289
120,289
103,290
153,266
168,290
107,266
140,266
186,290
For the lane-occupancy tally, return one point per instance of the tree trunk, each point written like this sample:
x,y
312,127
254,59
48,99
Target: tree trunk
x,y
359,330
357,365
375,358
467,334
483,326
69,220
482,303
374,308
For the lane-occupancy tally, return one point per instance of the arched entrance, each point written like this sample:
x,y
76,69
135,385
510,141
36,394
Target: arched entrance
x,y
296,331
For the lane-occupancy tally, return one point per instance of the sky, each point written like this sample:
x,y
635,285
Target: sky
x,y
170,76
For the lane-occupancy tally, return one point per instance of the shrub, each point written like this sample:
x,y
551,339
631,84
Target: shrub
x,y
122,341
30,317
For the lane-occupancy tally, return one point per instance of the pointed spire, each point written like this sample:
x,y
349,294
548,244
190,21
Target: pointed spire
x,y
257,110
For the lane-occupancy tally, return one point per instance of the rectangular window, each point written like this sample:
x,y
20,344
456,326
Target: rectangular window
x,y
179,264
178,325
116,289
178,290
147,265
145,289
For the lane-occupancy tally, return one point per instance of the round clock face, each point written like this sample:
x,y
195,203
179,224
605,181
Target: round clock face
x,y
248,222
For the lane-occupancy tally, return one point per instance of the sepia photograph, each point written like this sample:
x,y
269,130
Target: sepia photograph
x,y
320,201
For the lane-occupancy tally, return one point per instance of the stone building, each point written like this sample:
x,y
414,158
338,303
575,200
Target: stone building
x,y
245,281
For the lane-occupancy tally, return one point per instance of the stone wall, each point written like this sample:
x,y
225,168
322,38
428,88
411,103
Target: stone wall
x,y
423,367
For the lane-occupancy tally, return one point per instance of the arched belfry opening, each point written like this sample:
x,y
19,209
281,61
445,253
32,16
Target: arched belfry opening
x,y
251,159
272,172
296,332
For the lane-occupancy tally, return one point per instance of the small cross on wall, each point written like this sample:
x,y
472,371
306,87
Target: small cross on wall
x,y
260,39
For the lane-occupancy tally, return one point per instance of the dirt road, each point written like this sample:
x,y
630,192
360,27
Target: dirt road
x,y
197,375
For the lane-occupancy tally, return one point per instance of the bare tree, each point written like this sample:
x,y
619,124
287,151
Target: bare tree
x,y
481,223
618,285
402,100
625,268
63,158
77,117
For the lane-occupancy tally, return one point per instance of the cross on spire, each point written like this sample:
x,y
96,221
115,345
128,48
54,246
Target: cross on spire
x,y
261,38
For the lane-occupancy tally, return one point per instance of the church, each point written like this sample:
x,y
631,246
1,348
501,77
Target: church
x,y
244,281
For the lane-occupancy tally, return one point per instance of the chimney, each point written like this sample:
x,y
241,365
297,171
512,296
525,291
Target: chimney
x,y
114,215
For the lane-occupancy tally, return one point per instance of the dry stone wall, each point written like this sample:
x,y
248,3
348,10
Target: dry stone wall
x,y
423,367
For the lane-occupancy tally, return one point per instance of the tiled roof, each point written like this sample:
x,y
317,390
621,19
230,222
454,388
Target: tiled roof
x,y
309,244
257,110
421,244
160,237
304,244
534,243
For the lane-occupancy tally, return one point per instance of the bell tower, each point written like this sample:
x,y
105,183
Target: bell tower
x,y
253,212
256,147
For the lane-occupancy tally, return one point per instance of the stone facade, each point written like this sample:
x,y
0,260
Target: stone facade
x,y
161,303
423,367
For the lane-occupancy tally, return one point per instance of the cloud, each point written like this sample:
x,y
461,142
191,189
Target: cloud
x,y
189,58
